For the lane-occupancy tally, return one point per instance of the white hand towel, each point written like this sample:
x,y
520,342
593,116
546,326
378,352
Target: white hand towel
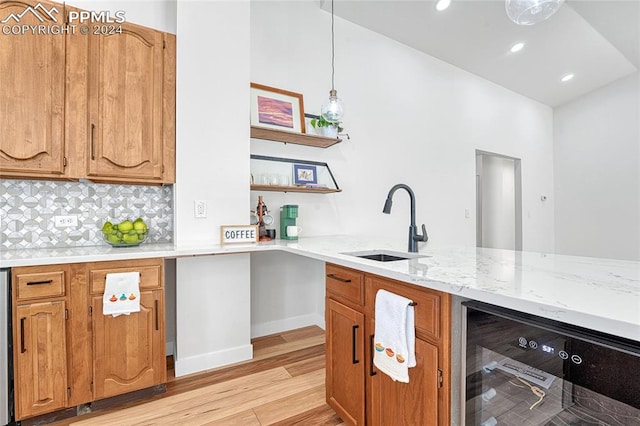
x,y
121,294
395,336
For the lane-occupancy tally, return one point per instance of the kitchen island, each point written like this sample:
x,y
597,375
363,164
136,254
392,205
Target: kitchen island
x,y
598,294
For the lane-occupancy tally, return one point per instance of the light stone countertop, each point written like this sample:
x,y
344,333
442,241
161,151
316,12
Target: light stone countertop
x,y
598,294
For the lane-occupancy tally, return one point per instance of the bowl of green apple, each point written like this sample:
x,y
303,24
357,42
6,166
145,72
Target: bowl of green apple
x,y
128,233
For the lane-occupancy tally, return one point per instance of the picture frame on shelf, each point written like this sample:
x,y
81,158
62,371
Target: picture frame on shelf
x,y
304,174
277,109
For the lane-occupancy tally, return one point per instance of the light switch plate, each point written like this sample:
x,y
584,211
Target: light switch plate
x,y
200,208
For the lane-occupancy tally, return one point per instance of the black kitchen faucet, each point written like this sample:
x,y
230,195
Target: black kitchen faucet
x,y
414,237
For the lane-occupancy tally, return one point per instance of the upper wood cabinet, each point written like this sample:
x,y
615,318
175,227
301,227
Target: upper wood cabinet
x,y
100,107
128,85
33,92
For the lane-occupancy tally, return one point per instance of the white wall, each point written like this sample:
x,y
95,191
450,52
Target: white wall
x,y
213,306
412,119
597,173
284,295
212,151
213,322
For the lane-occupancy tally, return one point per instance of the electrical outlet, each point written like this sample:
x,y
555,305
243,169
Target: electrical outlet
x,y
65,221
200,208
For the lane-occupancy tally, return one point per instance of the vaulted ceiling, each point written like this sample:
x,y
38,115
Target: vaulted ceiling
x,y
596,40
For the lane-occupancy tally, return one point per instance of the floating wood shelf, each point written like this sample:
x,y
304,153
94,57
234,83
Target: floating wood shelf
x,y
280,188
293,137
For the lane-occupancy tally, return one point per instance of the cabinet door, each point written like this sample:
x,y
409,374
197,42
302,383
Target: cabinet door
x,y
32,87
40,358
413,403
126,105
345,362
129,349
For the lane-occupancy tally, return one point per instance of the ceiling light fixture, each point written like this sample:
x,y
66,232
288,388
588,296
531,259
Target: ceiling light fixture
x,y
531,12
442,5
517,47
567,78
332,110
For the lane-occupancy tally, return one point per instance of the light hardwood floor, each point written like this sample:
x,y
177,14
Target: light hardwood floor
x,y
282,385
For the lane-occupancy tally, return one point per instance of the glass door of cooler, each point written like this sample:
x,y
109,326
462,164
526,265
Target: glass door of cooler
x,y
520,372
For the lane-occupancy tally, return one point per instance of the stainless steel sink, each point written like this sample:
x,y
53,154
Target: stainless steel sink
x,y
384,255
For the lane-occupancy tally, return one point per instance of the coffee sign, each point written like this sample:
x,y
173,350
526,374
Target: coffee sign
x,y
238,234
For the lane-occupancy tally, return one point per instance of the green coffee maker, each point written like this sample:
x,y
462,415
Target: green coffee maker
x,y
288,216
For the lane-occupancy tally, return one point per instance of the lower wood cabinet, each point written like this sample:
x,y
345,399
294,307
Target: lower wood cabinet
x,y
356,390
128,350
66,352
413,403
41,361
345,361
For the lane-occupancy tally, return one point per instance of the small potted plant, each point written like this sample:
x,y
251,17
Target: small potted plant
x,y
327,128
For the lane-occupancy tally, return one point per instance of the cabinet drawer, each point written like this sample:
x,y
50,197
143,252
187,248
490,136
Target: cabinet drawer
x,y
37,284
346,283
150,277
427,302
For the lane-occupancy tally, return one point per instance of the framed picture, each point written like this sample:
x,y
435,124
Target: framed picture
x,y
276,108
304,174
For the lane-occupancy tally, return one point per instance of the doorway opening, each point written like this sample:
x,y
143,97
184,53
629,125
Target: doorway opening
x,y
498,201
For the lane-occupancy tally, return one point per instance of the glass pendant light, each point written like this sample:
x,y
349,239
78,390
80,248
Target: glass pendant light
x,y
531,12
332,109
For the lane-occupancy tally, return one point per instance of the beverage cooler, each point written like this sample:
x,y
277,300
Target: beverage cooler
x,y
525,370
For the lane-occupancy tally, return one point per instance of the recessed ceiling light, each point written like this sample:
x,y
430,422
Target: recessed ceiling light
x,y
442,5
517,47
567,78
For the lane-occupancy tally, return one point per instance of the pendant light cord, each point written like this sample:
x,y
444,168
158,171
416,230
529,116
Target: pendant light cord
x,y
333,46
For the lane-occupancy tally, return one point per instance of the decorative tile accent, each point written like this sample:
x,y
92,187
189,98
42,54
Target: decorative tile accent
x,y
27,210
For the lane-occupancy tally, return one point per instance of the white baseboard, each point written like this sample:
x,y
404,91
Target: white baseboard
x,y
278,326
197,364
